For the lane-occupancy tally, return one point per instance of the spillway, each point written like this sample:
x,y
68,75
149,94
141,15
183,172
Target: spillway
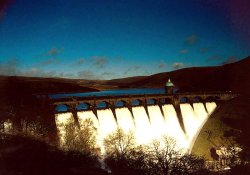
x,y
210,107
125,120
157,122
146,126
107,123
89,115
62,120
173,127
143,129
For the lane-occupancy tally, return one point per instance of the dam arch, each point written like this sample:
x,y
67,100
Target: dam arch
x,y
120,103
212,98
164,101
103,105
197,99
151,101
184,99
136,102
83,106
62,108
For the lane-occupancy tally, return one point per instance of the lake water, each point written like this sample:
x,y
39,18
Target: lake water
x,y
111,92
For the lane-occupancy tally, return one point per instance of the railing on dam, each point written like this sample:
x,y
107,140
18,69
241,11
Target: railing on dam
x,y
159,99
129,100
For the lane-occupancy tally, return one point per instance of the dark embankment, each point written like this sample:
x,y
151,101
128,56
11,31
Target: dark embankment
x,y
234,77
18,102
20,155
41,85
229,123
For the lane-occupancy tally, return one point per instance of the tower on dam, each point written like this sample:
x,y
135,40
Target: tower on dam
x,y
169,87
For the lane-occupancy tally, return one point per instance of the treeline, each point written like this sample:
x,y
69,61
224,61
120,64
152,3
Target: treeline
x,y
120,154
78,153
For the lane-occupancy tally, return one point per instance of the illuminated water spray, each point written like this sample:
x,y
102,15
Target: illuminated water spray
x,y
172,126
194,118
143,128
125,120
146,128
62,120
157,122
107,123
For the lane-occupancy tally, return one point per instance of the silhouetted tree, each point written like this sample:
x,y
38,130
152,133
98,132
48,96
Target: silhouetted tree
x,y
119,143
161,157
123,156
81,139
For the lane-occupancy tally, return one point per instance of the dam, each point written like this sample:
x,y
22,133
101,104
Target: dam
x,y
148,116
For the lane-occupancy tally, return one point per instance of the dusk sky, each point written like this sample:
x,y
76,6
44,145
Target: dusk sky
x,y
105,39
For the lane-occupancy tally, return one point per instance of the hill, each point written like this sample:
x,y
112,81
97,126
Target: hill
x,y
36,85
234,77
230,77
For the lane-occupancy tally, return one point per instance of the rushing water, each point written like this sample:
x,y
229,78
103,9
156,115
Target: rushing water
x,y
146,128
146,124
62,120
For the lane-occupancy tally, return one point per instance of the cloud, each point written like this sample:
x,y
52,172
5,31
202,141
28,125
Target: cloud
x,y
79,62
178,65
99,61
132,69
107,73
221,60
37,72
215,58
191,40
48,62
54,52
119,58
88,74
10,67
161,65
204,50
230,60
183,51
66,75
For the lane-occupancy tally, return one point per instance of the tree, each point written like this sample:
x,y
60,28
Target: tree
x,y
163,156
81,139
119,144
189,165
122,155
167,159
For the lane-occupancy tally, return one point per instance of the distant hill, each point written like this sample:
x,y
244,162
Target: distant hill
x,y
33,85
234,77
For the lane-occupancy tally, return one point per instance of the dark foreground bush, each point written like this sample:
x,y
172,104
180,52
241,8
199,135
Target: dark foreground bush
x,y
24,156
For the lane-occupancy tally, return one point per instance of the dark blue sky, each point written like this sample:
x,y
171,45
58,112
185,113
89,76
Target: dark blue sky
x,y
105,39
